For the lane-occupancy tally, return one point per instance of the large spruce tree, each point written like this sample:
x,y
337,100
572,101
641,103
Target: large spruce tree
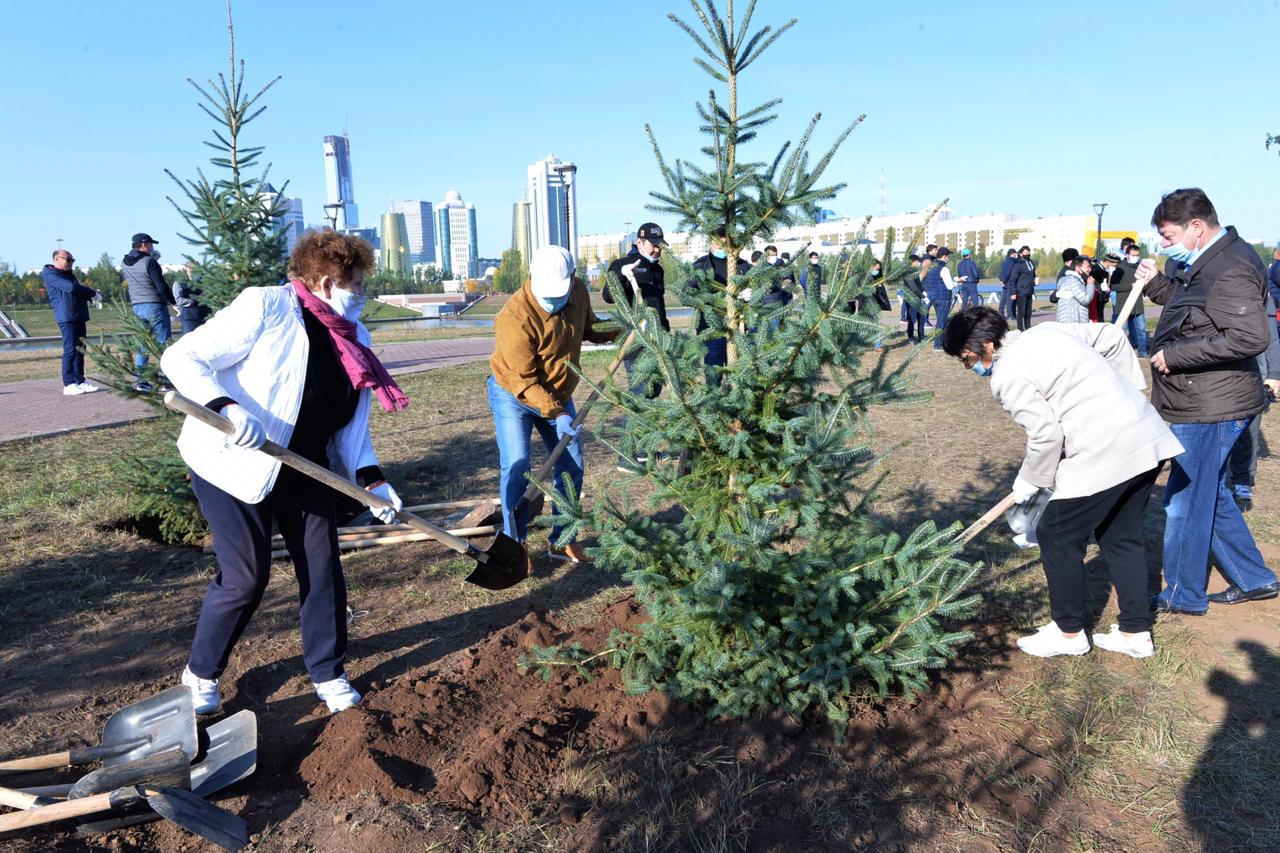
x,y
769,582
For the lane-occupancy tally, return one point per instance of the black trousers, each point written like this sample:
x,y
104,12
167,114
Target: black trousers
x,y
1022,310
305,514
72,351
1115,517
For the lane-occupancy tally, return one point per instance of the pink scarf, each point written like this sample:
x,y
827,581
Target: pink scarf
x,y
362,366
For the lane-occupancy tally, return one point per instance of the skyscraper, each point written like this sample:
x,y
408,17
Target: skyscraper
x,y
520,228
339,192
456,246
290,220
396,257
553,204
419,220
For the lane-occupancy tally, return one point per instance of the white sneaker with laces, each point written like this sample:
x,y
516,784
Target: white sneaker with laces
x,y
338,694
72,390
89,387
1136,646
1049,642
204,692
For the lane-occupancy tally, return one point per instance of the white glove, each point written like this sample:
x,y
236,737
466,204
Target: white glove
x,y
249,431
745,295
387,515
1022,490
564,426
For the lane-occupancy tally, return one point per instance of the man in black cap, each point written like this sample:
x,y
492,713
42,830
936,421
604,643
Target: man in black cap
x,y
149,296
640,271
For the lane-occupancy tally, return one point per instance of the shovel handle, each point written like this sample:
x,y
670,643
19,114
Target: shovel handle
x,y
549,465
985,522
16,799
207,416
52,761
1130,303
41,815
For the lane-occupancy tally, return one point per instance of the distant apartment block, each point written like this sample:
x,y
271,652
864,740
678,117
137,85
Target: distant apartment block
x,y
456,245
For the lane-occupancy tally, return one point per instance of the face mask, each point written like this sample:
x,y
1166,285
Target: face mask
x,y
1132,259
553,306
983,370
346,303
719,253
1179,252
875,273
653,259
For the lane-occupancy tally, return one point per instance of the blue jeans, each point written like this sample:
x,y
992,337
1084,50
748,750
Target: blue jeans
x,y
1201,516
1135,327
512,422
156,316
915,322
968,296
72,351
941,306
1006,304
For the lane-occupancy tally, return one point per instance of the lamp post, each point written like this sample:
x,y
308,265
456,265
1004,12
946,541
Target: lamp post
x,y
331,212
1097,248
567,172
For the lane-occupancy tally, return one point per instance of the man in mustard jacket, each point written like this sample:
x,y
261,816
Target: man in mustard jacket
x,y
539,335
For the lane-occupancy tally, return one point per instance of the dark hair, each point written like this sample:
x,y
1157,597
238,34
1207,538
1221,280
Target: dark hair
x,y
1126,242
755,256
915,257
813,254
775,249
1012,251
944,251
1074,263
875,264
1024,249
1069,255
1133,247
786,256
972,328
931,246
1181,206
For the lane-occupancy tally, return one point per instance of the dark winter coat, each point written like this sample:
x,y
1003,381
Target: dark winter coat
x,y
933,283
1273,281
1213,326
811,276
719,269
1122,283
1022,276
145,280
968,269
69,298
648,276
1005,268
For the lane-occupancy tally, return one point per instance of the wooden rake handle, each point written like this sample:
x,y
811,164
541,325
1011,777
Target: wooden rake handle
x,y
205,415
983,523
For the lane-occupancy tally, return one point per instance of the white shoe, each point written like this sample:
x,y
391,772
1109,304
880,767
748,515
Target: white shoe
x,y
89,387
72,390
1136,646
204,692
1049,642
338,694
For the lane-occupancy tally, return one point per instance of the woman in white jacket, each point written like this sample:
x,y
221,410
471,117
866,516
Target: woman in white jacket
x,y
291,364
1095,441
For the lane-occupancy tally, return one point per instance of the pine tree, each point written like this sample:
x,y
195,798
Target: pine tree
x,y
234,231
770,583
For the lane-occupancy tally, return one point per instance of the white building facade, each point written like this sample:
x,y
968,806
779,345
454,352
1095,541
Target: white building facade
x,y
553,204
456,244
420,222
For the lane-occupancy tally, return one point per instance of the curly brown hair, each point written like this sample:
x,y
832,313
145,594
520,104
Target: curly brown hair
x,y
321,253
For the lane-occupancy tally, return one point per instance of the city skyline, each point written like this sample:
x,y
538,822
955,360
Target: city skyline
x,y
997,136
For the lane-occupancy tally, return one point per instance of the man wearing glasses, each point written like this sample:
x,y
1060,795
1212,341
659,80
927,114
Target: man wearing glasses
x,y
70,301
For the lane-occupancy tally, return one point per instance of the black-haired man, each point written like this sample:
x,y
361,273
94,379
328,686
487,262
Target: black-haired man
x,y
1022,287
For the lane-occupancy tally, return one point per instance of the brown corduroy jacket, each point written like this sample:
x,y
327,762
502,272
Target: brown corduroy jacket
x,y
534,350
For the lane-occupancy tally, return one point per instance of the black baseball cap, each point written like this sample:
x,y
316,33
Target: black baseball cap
x,y
651,232
142,237
943,252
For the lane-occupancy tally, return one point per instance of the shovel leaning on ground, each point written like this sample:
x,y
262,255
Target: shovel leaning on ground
x,y
532,499
152,725
499,566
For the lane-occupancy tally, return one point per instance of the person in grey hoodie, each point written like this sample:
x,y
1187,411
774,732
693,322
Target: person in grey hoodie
x,y
149,296
1075,291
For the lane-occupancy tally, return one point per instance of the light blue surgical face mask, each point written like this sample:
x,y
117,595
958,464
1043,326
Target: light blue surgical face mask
x,y
983,369
1179,252
553,306
719,253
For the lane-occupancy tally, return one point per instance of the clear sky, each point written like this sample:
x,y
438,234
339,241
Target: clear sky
x,y
1032,108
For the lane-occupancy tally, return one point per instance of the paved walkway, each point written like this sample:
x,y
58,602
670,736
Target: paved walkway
x,y
36,407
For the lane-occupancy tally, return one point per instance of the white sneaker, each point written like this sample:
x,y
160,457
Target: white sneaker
x,y
72,390
89,387
1136,646
1049,642
338,694
204,692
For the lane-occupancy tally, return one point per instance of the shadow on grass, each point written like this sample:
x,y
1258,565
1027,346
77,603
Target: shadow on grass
x,y
1231,799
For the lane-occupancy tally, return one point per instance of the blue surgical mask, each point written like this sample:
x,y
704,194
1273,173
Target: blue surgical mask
x,y
719,253
983,369
553,306
1180,253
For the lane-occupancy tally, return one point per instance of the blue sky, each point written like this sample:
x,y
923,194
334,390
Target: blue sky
x,y
1030,108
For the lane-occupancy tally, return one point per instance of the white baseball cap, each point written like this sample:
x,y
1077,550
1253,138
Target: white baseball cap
x,y
551,272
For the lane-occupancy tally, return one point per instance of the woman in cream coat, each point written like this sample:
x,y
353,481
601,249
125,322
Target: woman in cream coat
x,y
1095,441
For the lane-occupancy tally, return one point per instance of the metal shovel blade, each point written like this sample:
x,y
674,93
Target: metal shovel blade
x,y
170,768
504,565
152,725
228,831
230,750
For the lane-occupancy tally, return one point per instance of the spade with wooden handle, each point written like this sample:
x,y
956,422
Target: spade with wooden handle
x,y
498,566
983,523
532,499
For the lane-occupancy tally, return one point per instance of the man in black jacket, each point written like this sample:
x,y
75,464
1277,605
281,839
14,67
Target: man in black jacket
x,y
70,300
640,272
716,263
1022,287
1205,383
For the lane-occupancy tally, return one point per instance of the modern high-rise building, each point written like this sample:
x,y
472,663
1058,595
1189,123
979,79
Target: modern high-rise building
x,y
289,220
456,245
553,204
339,192
369,235
520,239
419,220
396,257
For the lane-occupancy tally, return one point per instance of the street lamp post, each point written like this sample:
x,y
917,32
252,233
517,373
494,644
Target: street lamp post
x,y
331,213
567,172
1097,247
